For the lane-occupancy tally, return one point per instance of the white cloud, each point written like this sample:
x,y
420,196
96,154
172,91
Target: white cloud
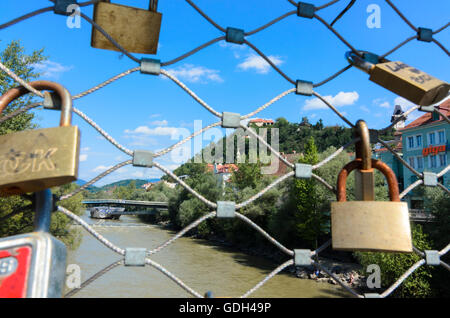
x,y
364,108
259,64
341,99
406,104
51,69
101,168
159,123
196,74
85,149
385,105
83,157
157,131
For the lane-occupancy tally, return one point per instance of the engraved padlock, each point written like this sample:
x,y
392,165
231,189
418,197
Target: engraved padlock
x,y
33,265
33,160
370,225
364,177
136,30
406,81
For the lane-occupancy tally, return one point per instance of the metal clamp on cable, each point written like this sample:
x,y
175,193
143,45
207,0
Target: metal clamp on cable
x,y
302,257
143,158
150,66
62,5
306,10
226,209
135,256
234,35
424,34
231,120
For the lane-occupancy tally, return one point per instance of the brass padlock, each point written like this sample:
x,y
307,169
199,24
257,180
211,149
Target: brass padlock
x,y
136,30
370,225
34,160
404,80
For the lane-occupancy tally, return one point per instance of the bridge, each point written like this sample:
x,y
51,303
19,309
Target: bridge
x,y
118,202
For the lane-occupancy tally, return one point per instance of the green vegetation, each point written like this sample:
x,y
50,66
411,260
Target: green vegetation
x,y
16,212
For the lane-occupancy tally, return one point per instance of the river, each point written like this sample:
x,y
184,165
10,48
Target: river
x,y
200,264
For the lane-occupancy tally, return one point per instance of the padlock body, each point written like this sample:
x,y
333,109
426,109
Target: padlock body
x,y
409,82
32,265
371,226
136,30
34,160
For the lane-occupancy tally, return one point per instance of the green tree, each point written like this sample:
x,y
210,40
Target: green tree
x,y
394,265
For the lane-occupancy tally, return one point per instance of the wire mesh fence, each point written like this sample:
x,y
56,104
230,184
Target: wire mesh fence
x,y
428,257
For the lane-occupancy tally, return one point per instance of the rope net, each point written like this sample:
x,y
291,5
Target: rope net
x,y
213,205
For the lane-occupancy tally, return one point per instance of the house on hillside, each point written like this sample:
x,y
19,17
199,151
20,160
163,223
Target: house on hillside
x,y
259,122
222,172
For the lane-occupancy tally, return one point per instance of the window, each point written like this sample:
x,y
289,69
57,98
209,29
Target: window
x,y
410,142
442,160
431,138
432,161
419,162
419,141
411,162
441,137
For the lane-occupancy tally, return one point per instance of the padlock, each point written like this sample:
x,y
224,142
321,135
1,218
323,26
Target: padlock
x,y
364,178
34,160
33,265
404,80
370,225
136,30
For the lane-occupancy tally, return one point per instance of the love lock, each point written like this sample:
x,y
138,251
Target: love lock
x,y
136,30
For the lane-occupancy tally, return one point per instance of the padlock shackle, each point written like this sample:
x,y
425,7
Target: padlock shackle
x,y
363,149
44,206
153,5
66,99
391,179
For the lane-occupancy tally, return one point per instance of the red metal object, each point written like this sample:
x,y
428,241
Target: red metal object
x,y
14,271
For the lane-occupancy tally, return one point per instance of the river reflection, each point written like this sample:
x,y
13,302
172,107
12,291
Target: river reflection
x,y
201,265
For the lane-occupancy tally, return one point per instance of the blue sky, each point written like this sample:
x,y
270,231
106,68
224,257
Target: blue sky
x,y
142,111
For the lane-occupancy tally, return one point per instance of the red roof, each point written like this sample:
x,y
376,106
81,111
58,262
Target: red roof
x,y
225,168
260,120
427,118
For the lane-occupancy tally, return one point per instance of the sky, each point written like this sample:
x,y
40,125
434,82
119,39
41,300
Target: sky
x,y
145,112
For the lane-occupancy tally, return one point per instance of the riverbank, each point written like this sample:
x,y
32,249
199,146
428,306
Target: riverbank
x,y
347,272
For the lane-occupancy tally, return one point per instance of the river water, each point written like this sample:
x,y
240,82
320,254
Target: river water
x,y
200,264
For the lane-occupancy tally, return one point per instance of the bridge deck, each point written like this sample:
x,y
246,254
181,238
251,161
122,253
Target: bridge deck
x,y
126,202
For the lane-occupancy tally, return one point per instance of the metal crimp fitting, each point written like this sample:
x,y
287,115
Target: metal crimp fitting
x,y
372,295
302,257
303,171
432,258
427,109
430,179
150,66
135,256
425,34
306,10
231,120
61,6
234,35
226,209
304,88
143,158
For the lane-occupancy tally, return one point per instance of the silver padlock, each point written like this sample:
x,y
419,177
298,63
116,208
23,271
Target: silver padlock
x,y
33,265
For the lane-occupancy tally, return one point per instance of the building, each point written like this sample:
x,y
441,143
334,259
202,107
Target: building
x,y
222,172
423,144
259,122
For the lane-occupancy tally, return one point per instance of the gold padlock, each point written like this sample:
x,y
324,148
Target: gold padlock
x,y
34,160
370,225
136,30
406,81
